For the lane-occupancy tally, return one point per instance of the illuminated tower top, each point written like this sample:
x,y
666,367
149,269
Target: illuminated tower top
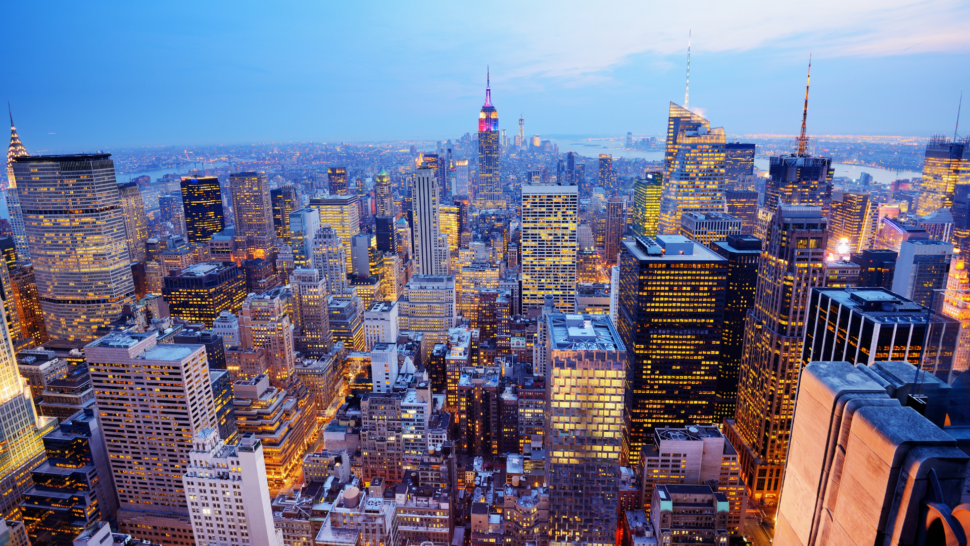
x,y
488,118
803,137
15,150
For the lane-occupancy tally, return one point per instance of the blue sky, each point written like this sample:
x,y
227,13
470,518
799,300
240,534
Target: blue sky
x,y
117,74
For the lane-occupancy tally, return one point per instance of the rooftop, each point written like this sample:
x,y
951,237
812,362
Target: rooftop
x,y
60,157
583,332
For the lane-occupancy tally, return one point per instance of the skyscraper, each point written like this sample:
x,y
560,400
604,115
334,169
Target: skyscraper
x,y
264,323
946,165
586,364
646,204
170,210
877,267
743,205
252,209
694,166
670,314
136,223
84,280
742,253
520,138
328,257
488,193
956,300
202,291
791,266
285,201
132,377
709,227
340,212
615,224
549,224
607,177
15,150
739,161
853,222
868,325
430,246
385,193
337,177
303,225
202,203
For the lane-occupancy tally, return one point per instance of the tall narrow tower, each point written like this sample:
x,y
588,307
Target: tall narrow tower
x,y
521,141
15,150
385,194
488,194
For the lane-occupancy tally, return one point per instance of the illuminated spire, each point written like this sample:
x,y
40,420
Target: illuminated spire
x,y
803,138
16,148
687,90
488,87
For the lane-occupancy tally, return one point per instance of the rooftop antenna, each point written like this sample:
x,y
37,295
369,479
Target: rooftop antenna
x,y
803,138
687,89
959,104
9,111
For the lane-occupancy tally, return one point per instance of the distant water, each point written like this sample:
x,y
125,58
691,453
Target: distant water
x,y
594,149
183,169
879,175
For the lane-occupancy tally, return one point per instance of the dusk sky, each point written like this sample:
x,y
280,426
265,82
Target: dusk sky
x,y
83,76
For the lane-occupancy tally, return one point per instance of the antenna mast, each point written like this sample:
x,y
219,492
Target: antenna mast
x,y
687,90
803,138
959,104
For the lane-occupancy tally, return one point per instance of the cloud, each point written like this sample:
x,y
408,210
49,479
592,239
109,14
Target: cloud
x,y
578,43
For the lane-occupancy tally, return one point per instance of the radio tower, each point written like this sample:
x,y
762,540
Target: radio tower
x,y
955,129
803,138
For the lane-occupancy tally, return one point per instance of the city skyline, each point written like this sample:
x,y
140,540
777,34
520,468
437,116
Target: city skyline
x,y
286,82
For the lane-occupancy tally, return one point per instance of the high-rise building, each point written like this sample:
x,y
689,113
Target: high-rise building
x,y
311,312
607,176
615,224
14,150
85,280
136,223
694,166
791,266
862,326
853,428
22,427
586,366
549,224
488,192
337,177
27,301
132,376
303,225
946,165
708,228
739,161
853,223
252,209
285,201
520,138
202,203
743,205
201,292
430,246
956,300
743,253
347,321
381,323
228,492
670,314
921,271
74,486
450,218
264,322
170,210
429,305
329,258
877,267
646,204
385,193
340,212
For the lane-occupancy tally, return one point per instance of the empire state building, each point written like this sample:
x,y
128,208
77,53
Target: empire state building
x,y
488,194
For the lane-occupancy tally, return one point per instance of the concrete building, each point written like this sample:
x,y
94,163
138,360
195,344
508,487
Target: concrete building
x,y
384,366
252,209
381,323
264,323
429,306
133,378
329,259
689,514
226,326
311,312
430,245
201,292
872,461
228,493
342,214
708,228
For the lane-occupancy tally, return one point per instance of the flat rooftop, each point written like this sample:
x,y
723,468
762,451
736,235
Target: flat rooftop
x,y
60,157
583,332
